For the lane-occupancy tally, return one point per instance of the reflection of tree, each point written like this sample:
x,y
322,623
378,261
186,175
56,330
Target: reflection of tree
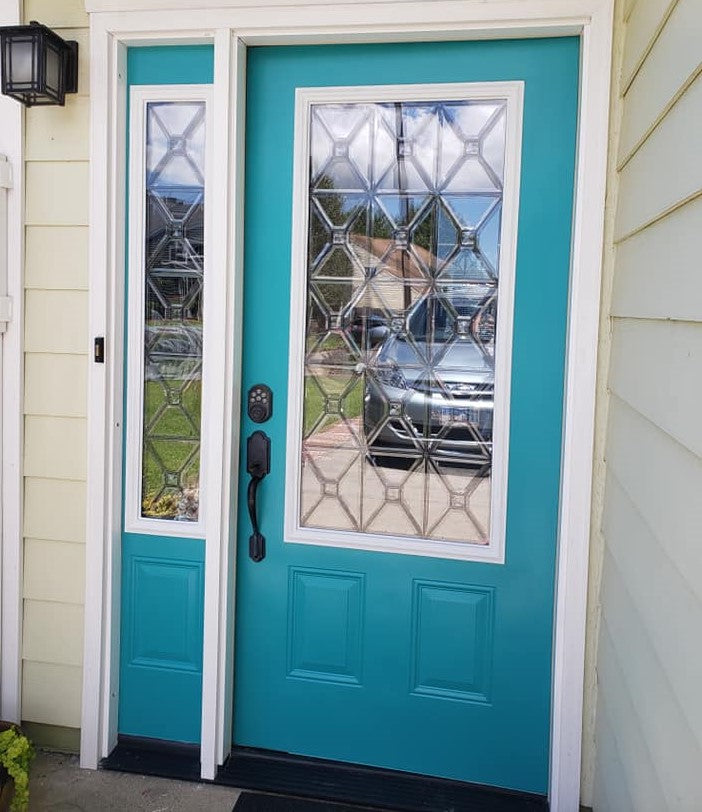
x,y
368,234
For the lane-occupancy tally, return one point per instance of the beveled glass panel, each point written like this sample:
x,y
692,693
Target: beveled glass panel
x,y
173,278
405,203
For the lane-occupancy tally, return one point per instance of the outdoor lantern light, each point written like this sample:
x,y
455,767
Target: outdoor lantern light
x,y
38,67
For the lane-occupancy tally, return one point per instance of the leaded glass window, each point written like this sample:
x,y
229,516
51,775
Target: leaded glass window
x,y
174,188
403,257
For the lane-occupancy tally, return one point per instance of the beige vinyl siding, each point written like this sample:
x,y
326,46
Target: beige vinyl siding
x,y
648,732
55,399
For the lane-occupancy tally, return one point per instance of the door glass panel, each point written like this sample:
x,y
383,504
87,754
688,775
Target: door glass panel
x,y
405,205
173,279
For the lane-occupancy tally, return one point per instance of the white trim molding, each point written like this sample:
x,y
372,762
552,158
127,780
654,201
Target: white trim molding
x,y
140,97
233,25
11,396
305,98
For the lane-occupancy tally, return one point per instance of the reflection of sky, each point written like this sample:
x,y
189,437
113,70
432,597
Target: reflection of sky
x,y
171,122
440,142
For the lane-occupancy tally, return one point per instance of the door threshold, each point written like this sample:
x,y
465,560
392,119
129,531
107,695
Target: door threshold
x,y
164,759
249,768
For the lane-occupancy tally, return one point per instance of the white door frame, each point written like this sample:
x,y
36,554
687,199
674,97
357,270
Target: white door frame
x,y
288,22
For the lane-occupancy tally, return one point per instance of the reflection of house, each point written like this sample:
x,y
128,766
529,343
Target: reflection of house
x,y
397,279
174,253
394,275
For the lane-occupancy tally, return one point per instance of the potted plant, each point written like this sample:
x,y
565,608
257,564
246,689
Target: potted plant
x,y
16,754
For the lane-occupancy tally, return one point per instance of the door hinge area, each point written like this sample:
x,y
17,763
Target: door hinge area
x,y
5,312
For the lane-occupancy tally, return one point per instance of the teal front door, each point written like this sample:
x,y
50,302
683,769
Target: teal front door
x,y
407,242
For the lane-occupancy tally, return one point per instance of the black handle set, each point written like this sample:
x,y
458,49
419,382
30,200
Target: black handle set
x,y
258,463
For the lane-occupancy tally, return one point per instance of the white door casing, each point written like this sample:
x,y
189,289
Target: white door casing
x,y
231,29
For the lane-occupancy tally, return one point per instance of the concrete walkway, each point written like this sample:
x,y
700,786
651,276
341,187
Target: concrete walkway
x,y
57,784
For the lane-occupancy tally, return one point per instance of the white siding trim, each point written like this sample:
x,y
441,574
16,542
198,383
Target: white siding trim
x,y
11,405
346,23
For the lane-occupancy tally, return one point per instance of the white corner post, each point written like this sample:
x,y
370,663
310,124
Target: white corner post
x,y
11,396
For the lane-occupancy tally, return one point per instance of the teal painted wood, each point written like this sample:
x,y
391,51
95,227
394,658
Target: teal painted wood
x,y
161,644
171,65
162,577
427,665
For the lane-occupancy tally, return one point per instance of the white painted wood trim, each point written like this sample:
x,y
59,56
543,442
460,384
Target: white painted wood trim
x,y
222,423
100,695
11,401
236,238
288,21
367,22
213,268
579,412
512,93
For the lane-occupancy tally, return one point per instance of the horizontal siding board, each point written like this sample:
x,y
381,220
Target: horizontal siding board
x,y
56,343
655,367
635,760
664,481
57,13
56,193
675,752
54,571
611,793
665,601
58,133
82,37
658,269
56,321
53,632
55,447
644,22
51,693
54,509
56,257
55,384
667,168
673,59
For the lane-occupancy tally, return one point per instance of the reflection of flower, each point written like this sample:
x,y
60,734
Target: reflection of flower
x,y
188,505
183,506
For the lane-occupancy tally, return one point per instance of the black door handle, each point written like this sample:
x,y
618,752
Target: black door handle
x,y
258,465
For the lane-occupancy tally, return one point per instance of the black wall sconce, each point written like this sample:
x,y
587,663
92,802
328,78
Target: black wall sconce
x,y
38,67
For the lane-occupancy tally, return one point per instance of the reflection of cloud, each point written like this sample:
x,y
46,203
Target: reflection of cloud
x,y
175,146
410,145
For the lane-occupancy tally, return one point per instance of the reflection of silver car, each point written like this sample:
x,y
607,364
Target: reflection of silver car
x,y
430,389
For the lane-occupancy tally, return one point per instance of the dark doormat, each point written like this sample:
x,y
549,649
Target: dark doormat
x,y
263,802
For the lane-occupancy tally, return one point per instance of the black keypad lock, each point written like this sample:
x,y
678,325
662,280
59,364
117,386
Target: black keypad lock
x,y
260,403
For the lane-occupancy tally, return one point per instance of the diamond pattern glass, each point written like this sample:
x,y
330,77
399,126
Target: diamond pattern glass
x,y
174,251
405,204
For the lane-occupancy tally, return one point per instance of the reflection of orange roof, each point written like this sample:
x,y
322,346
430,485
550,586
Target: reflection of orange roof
x,y
400,262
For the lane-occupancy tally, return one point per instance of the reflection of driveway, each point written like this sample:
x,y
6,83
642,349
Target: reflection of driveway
x,y
343,490
342,434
